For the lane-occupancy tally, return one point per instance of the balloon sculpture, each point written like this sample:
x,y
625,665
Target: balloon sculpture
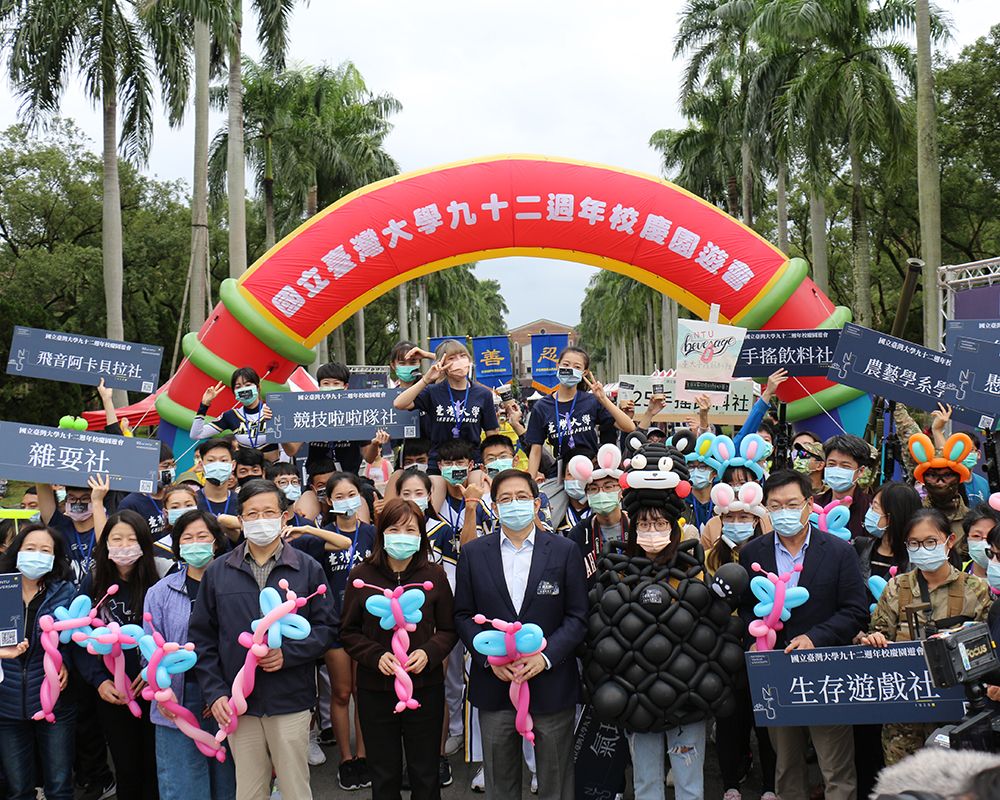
x,y
877,584
995,501
508,643
111,641
776,603
398,610
79,617
164,659
956,448
278,621
662,642
833,518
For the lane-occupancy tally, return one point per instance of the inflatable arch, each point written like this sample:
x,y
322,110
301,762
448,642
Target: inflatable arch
x,y
410,225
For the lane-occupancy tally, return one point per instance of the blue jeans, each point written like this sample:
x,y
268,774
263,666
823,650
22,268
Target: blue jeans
x,y
686,748
54,740
182,771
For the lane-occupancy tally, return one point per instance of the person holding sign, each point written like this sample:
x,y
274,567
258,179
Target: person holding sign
x,y
75,521
954,597
39,555
249,425
568,417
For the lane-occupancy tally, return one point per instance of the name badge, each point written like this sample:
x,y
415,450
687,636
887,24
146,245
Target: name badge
x,y
548,588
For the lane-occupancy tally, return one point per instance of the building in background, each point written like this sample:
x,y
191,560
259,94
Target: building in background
x,y
520,347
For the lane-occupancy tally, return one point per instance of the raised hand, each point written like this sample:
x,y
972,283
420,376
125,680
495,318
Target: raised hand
x,y
774,380
211,393
413,352
941,417
104,391
99,485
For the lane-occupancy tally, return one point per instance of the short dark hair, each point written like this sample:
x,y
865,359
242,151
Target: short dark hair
x,y
249,374
454,450
257,486
586,452
574,349
977,513
785,477
931,515
180,487
248,457
192,516
333,371
166,452
321,466
899,502
414,447
495,440
393,511
31,489
340,477
61,569
510,474
848,443
993,537
769,428
222,443
272,471
425,481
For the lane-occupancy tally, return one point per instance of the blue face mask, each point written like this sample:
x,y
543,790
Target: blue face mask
x,y
174,514
348,507
401,546
993,576
197,554
840,479
218,472
407,372
455,475
701,477
871,522
421,502
576,489
977,552
971,460
570,376
61,495
247,395
516,515
929,560
293,492
737,532
33,565
498,465
786,521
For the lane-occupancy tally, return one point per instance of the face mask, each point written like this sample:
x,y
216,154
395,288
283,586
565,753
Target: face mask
x,y
246,479
61,495
401,546
455,475
125,556
737,532
421,502
993,576
801,465
419,466
34,565
929,560
977,552
247,395
604,502
652,541
517,515
79,512
576,490
971,460
570,376
218,472
174,514
35,517
262,532
839,479
197,554
499,465
331,388
786,522
871,522
293,492
320,493
943,494
167,476
348,507
407,372
701,478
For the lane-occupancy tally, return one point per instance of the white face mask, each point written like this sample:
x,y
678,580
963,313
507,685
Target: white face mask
x,y
262,532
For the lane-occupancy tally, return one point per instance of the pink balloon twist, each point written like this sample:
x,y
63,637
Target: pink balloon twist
x,y
765,630
115,640
257,648
166,698
402,682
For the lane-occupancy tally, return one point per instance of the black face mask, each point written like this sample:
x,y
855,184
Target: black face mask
x,y
246,479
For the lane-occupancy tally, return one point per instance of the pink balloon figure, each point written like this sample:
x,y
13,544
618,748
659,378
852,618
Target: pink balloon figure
x,y
515,640
164,694
279,617
398,610
776,603
79,617
111,642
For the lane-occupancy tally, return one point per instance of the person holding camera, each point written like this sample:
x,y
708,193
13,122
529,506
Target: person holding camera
x,y
954,597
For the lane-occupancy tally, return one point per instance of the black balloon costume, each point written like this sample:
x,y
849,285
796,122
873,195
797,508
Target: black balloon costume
x,y
661,655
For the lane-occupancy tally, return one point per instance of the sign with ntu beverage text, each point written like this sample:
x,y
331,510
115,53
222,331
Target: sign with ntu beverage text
x,y
706,356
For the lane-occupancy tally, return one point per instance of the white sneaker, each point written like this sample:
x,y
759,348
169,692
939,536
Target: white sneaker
x,y
315,756
453,744
534,783
479,781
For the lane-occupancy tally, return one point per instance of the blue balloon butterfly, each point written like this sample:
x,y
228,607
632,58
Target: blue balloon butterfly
x,y
412,600
79,608
494,643
174,663
763,589
103,648
293,626
876,585
836,522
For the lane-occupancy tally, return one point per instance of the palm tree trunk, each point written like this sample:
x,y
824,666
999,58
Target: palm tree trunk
x,y
269,236
747,166
403,312
359,336
733,196
235,160
199,191
649,352
928,176
312,200
817,234
860,241
668,324
339,345
782,190
424,313
111,231
323,350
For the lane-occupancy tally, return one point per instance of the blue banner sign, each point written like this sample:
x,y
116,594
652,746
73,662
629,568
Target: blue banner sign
x,y
987,330
802,352
491,356
975,369
545,350
342,416
74,358
57,455
848,686
434,341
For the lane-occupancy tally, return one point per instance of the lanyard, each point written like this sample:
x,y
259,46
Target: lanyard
x,y
211,505
569,421
84,552
458,408
455,519
246,421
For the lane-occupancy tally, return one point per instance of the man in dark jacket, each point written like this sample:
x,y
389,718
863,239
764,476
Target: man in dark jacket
x,y
274,732
524,573
833,615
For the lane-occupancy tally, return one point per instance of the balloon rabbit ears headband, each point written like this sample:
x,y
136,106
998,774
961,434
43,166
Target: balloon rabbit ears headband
x,y
956,448
720,453
702,449
609,459
833,518
749,497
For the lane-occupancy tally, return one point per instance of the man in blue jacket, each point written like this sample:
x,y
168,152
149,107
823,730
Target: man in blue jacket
x,y
274,732
524,573
833,615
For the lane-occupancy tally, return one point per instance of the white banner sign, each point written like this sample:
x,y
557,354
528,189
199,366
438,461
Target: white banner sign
x,y
732,409
706,357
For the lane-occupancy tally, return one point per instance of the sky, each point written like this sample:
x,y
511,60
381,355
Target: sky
x,y
580,79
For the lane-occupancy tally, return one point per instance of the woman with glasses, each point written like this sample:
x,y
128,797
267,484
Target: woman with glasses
x,y
977,525
954,596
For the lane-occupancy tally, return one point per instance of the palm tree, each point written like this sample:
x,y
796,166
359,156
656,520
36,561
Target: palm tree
x,y
111,46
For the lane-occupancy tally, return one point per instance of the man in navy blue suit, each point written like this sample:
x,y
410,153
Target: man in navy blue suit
x,y
833,615
524,573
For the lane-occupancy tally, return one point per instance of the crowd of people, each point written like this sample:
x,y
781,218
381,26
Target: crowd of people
x,y
504,512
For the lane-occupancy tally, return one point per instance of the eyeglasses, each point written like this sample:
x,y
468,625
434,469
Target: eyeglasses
x,y
253,516
793,506
927,544
992,554
648,526
594,488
